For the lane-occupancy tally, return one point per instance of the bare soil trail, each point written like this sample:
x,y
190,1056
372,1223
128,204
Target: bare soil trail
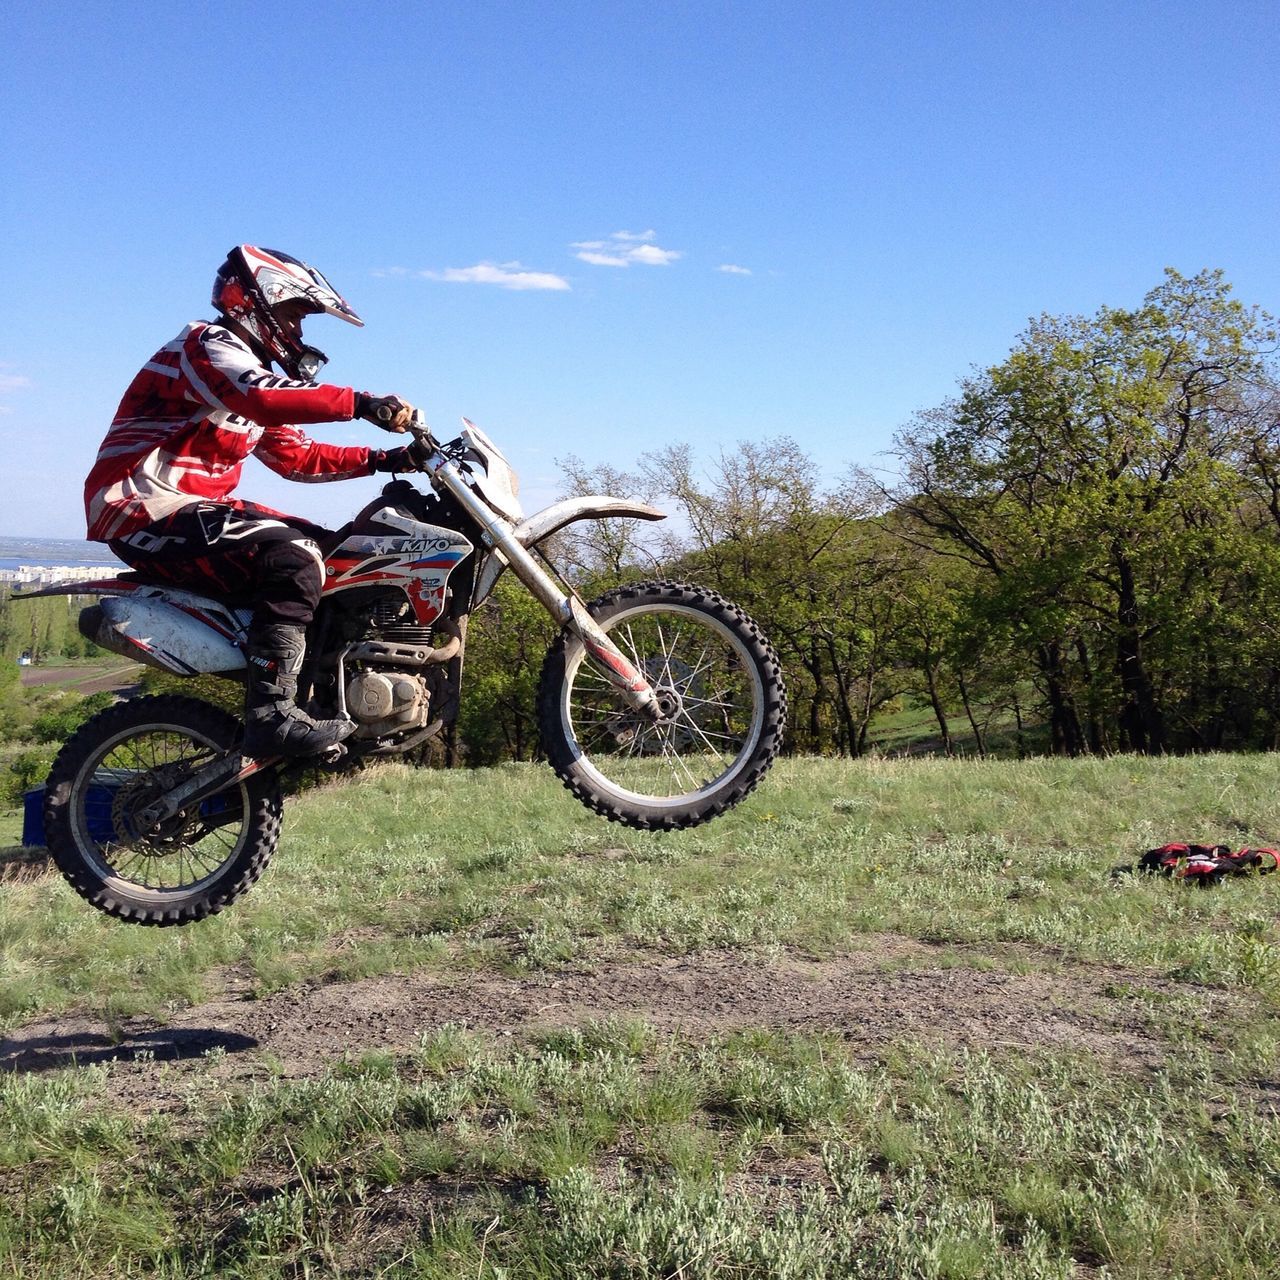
x,y
85,680
894,990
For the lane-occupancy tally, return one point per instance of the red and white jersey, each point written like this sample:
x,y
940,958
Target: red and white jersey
x,y
194,412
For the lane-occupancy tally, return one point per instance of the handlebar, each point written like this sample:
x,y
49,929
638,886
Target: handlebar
x,y
424,443
385,414
421,432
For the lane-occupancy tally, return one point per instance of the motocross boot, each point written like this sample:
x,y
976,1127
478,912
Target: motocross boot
x,y
274,724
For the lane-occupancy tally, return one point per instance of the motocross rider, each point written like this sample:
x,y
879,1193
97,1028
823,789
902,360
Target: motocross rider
x,y
159,493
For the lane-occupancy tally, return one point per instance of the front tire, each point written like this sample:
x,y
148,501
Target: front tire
x,y
196,862
721,687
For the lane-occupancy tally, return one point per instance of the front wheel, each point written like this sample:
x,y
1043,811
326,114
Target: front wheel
x,y
190,865
718,682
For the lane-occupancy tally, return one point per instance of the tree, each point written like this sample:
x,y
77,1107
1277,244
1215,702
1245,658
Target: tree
x,y
506,641
1095,479
804,562
598,554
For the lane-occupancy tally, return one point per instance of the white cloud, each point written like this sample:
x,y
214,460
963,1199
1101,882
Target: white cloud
x,y
623,248
12,381
506,275
597,259
652,256
732,269
382,273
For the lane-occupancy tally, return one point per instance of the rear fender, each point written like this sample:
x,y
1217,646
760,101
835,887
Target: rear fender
x,y
88,587
552,519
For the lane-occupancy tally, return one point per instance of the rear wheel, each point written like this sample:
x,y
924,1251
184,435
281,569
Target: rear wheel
x,y
192,864
718,682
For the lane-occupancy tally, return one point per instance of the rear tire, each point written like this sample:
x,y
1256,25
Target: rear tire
x,y
721,683
196,862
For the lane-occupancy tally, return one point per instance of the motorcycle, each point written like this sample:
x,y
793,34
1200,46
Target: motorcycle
x,y
660,705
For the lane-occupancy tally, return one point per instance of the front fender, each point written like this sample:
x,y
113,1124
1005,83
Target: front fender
x,y
542,524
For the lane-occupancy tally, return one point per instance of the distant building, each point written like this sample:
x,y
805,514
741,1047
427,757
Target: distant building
x,y
39,575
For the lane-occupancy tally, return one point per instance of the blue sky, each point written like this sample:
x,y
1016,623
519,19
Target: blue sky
x,y
899,187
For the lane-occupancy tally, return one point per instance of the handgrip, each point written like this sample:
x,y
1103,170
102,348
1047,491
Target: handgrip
x,y
422,434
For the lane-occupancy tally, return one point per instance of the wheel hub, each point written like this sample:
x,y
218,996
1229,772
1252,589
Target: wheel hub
x,y
134,797
669,728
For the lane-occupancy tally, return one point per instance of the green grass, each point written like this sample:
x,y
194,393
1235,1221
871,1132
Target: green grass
x,y
619,1153
615,1150
397,868
909,726
10,830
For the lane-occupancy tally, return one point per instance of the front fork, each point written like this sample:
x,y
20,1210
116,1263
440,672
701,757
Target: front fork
x,y
610,660
566,609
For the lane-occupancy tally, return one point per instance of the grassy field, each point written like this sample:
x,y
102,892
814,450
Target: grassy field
x,y
889,1018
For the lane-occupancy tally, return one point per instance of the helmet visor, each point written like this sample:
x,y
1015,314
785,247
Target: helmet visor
x,y
301,280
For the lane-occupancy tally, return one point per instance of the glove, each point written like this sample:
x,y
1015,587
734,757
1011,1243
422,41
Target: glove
x,y
408,457
388,412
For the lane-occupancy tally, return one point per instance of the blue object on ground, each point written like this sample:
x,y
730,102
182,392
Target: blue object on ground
x,y
33,818
97,812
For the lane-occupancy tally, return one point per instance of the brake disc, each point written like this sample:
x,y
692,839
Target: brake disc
x,y
134,796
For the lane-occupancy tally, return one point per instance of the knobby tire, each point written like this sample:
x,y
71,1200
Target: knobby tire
x,y
570,759
83,862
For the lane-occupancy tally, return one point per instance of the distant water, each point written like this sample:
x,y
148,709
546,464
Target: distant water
x,y
51,552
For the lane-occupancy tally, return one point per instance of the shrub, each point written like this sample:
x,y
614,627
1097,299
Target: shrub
x,y
60,723
26,770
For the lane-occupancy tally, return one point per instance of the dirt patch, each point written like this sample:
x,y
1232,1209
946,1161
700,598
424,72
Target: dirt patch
x,y
81,679
20,865
895,990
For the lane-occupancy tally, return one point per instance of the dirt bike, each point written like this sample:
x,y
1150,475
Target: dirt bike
x,y
660,705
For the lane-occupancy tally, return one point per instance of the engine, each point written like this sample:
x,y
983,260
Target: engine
x,y
383,702
393,672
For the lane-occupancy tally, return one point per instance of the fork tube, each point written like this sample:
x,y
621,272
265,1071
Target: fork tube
x,y
564,608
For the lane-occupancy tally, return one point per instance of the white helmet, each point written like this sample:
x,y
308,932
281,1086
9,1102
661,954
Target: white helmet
x,y
252,282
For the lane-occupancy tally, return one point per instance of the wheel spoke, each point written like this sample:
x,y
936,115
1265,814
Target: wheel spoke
x,y
706,671
131,774
698,667
688,773
715,751
708,702
665,676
